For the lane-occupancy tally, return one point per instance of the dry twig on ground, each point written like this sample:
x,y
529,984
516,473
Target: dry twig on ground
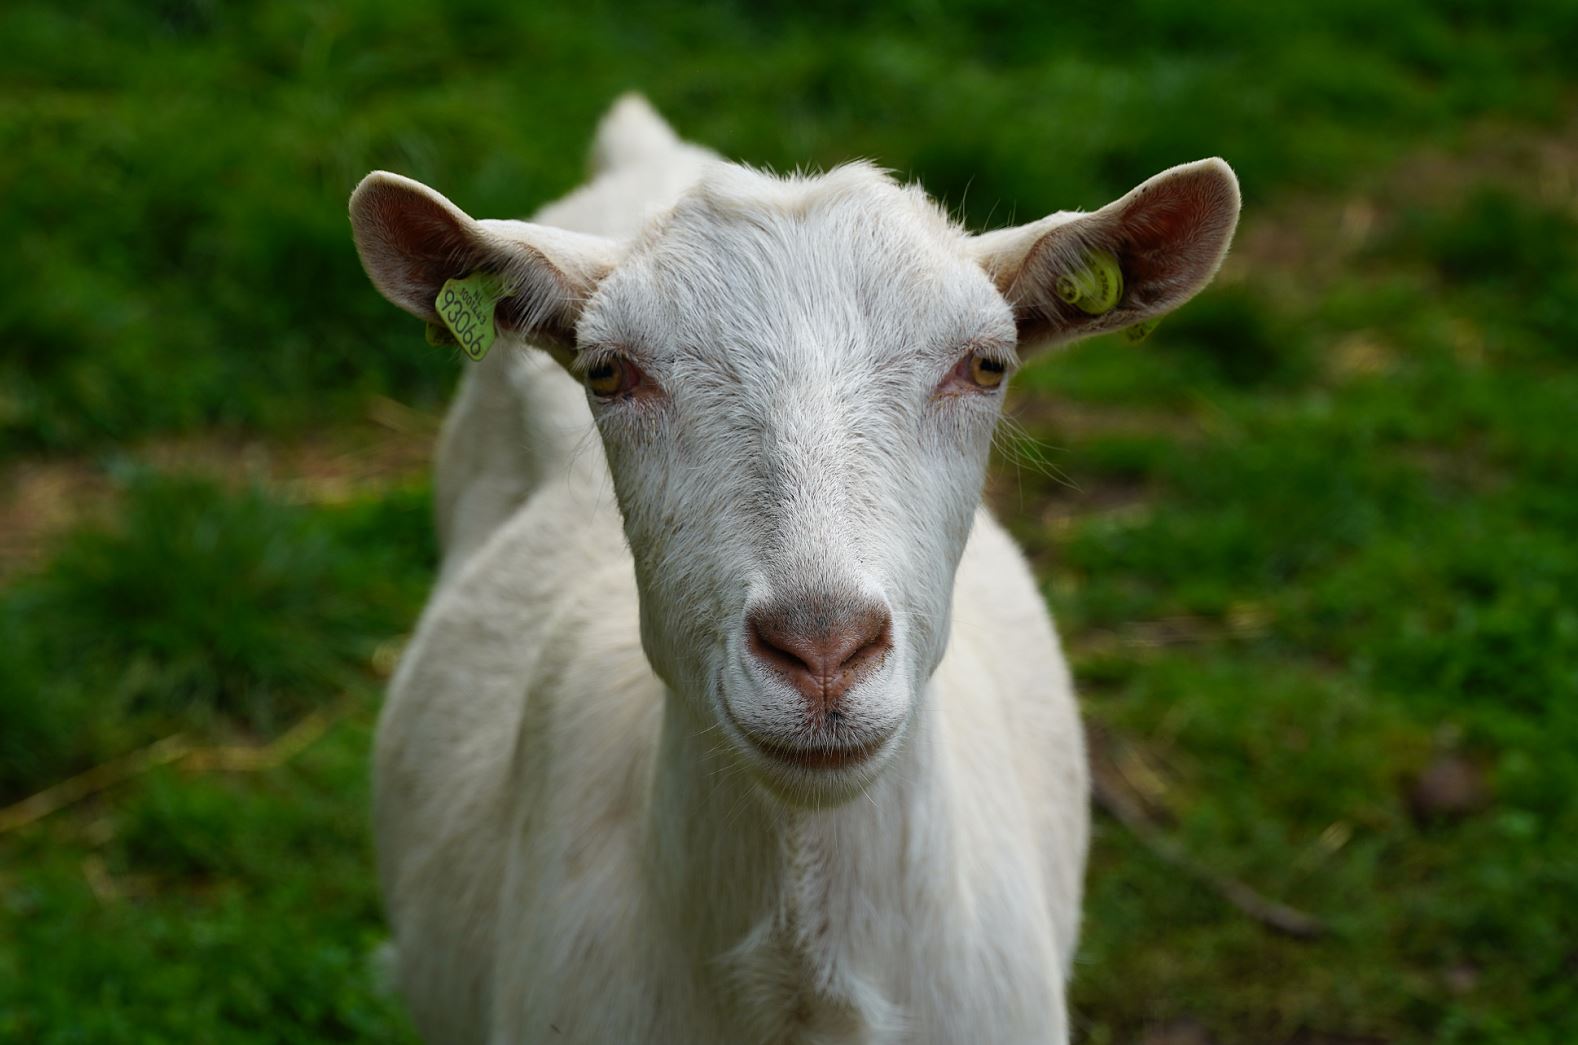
x,y
177,748
1112,796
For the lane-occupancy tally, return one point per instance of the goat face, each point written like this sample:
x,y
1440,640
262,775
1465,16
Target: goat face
x,y
796,382
796,385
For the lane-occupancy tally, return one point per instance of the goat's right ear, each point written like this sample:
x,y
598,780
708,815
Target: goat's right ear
x,y
411,240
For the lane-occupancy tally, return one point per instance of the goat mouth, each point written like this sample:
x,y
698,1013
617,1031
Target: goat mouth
x,y
825,757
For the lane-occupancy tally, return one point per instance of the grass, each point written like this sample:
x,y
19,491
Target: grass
x,y
229,909
1309,541
199,605
194,906
1401,538
176,173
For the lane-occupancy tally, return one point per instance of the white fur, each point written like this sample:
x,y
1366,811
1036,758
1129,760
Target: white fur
x,y
577,840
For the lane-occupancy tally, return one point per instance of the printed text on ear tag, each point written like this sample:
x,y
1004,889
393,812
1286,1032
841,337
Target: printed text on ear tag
x,y
466,308
1096,287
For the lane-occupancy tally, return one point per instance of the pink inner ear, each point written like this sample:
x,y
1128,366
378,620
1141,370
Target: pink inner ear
x,y
421,241
1171,235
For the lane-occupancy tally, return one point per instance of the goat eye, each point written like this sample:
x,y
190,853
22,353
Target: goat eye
x,y
610,378
988,373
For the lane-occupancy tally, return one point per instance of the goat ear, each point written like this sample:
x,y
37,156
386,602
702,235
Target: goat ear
x,y
1168,238
411,240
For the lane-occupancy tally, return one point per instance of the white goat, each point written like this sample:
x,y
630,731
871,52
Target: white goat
x,y
784,749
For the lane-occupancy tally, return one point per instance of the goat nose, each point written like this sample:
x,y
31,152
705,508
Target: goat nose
x,y
821,653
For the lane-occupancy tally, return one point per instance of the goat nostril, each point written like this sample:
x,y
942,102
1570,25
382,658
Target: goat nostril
x,y
872,638
769,644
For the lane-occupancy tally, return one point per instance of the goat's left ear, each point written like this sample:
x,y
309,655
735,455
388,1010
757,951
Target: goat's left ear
x,y
1168,238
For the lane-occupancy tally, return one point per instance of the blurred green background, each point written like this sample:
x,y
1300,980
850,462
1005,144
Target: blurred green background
x,y
1312,547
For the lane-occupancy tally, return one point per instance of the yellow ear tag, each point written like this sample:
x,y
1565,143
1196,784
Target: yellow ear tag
x,y
466,308
1095,288
1141,330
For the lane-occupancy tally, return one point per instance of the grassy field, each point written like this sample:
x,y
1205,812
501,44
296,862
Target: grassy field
x,y
1311,546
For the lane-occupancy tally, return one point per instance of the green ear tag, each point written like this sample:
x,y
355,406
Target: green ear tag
x,y
466,307
1095,288
1140,331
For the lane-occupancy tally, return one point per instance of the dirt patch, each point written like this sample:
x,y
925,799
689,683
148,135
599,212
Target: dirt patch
x,y
1302,242
41,498
392,444
44,496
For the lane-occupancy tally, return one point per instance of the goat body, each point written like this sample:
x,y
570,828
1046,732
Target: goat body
x,y
574,842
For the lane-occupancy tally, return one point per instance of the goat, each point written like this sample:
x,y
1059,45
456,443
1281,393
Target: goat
x,y
734,716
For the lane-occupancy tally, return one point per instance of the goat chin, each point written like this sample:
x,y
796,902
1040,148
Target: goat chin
x,y
733,716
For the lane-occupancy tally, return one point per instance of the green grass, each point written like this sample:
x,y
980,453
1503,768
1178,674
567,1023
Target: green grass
x,y
1310,538
1406,539
175,174
242,910
240,907
199,607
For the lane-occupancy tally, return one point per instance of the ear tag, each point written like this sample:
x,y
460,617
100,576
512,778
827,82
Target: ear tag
x,y
1095,288
1141,330
466,308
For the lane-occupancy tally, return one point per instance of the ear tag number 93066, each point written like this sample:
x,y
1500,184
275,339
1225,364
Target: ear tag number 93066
x,y
465,306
